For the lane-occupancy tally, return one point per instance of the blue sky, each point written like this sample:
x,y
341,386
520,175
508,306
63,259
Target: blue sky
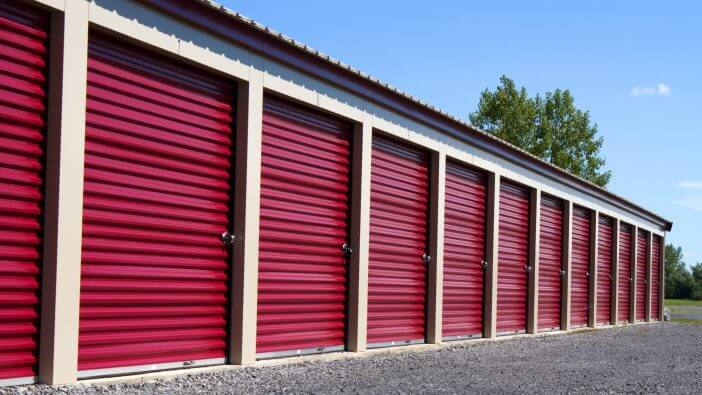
x,y
636,66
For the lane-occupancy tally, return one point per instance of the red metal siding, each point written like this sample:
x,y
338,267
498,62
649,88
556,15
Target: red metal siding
x,y
656,276
580,268
641,281
155,277
464,251
23,66
624,291
550,263
513,255
302,274
604,271
398,239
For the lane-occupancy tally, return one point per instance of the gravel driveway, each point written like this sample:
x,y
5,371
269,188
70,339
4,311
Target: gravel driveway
x,y
663,357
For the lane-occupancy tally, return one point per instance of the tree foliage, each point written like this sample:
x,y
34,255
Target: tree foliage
x,y
680,283
550,127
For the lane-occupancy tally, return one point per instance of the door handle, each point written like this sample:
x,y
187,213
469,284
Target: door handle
x,y
346,250
426,258
227,239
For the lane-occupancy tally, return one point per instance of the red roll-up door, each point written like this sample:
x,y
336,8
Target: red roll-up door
x,y
641,259
550,263
656,276
398,240
155,276
302,274
624,291
23,67
604,271
464,252
513,255
580,268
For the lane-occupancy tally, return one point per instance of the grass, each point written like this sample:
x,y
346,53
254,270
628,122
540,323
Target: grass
x,y
688,321
681,302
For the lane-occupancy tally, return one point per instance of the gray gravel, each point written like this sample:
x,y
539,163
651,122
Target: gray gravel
x,y
665,357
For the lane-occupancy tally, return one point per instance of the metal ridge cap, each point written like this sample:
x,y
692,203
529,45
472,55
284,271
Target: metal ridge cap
x,y
337,63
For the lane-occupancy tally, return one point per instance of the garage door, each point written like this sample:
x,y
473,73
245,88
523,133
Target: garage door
x,y
624,291
464,252
656,276
154,285
23,67
302,273
604,271
641,260
550,263
397,273
513,255
580,268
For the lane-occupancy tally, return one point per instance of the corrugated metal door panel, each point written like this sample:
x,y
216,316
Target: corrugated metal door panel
x,y
641,257
624,291
656,276
302,274
513,255
464,251
550,263
580,268
398,238
23,69
604,271
155,277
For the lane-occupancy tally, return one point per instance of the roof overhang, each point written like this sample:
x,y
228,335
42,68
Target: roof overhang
x,y
218,20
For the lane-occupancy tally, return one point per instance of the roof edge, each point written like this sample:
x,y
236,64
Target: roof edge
x,y
210,16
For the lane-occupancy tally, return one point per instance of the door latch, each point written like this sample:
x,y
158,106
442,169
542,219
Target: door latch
x,y
563,273
426,259
346,249
484,264
527,268
227,239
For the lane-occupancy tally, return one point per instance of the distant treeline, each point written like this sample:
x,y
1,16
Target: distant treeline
x,y
681,283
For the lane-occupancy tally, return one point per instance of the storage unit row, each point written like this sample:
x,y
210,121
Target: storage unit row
x,y
158,213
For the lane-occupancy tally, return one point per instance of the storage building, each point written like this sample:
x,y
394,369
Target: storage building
x,y
181,186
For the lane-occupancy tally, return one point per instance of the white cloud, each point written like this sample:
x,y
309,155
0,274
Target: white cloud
x,y
691,202
686,184
659,89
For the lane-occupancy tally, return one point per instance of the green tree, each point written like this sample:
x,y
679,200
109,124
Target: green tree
x,y
550,127
697,278
697,272
679,282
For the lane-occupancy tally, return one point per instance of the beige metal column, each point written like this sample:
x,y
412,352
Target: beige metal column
x,y
649,282
492,244
360,229
247,205
567,257
63,221
436,247
632,304
533,287
592,303
615,272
